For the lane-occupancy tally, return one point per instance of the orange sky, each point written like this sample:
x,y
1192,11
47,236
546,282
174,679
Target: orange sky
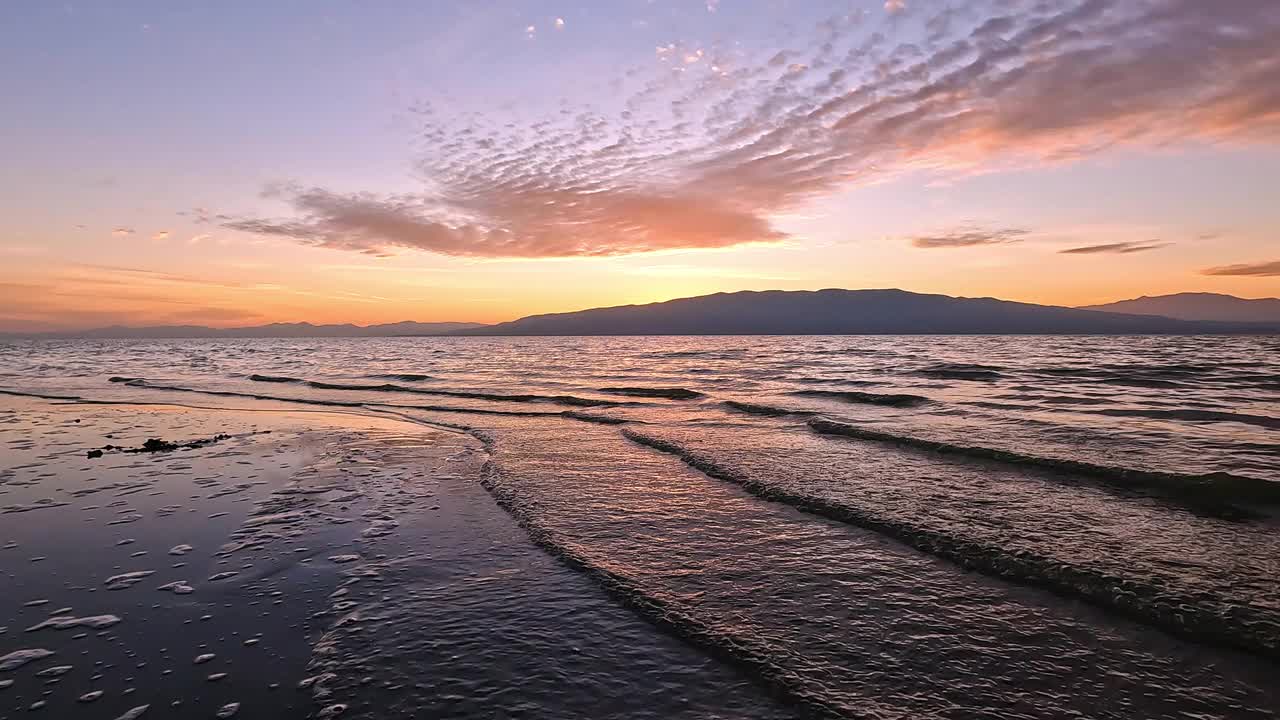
x,y
210,168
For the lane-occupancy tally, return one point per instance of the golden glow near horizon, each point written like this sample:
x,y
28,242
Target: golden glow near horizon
x,y
629,155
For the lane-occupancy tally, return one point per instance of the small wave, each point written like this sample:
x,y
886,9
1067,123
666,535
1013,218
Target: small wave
x,y
138,383
960,371
273,379
404,377
41,396
644,392
1145,603
118,379
465,394
1265,421
754,655
825,380
866,398
598,419
1141,382
1212,488
758,409
730,354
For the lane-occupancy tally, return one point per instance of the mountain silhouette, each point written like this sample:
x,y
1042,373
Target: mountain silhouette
x,y
849,312
1199,306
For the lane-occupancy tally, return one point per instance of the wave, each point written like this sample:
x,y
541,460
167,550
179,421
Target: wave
x,y
758,409
825,380
1265,421
138,383
598,419
753,654
41,396
1211,490
405,377
668,393
391,387
1132,381
866,398
730,354
572,415
1147,603
961,371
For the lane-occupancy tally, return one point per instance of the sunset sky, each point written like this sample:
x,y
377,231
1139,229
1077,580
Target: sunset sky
x,y
240,162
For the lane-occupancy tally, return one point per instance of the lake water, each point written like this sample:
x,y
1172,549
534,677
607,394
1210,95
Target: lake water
x,y
745,527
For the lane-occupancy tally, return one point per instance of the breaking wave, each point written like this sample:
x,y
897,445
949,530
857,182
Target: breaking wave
x,y
865,398
758,409
961,371
391,387
644,392
1215,489
752,653
1241,629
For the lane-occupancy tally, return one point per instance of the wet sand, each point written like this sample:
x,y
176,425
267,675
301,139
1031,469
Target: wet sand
x,y
311,564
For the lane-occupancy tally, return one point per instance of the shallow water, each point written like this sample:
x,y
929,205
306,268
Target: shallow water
x,y
1026,527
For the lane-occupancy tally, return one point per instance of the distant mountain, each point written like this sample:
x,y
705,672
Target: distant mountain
x,y
1199,306
274,330
849,312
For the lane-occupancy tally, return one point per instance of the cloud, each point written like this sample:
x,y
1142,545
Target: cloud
x,y
970,237
559,23
1262,269
122,231
525,222
162,235
704,154
1115,248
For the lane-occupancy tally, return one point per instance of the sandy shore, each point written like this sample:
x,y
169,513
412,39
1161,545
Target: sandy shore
x,y
193,579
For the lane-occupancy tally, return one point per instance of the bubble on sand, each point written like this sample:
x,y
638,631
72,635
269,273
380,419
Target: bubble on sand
x,y
56,671
223,576
215,677
18,658
5,683
127,580
180,549
340,559
63,622
90,696
135,713
331,711
179,587
202,659
228,710
315,679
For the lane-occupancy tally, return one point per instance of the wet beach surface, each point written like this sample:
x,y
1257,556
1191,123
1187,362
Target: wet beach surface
x,y
311,563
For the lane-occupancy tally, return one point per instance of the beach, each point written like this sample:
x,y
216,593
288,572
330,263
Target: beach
x,y
312,563
836,527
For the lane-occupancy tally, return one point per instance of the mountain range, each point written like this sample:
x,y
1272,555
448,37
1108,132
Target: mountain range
x,y
1198,306
820,312
851,312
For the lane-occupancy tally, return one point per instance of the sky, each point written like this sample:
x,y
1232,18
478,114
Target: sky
x,y
236,163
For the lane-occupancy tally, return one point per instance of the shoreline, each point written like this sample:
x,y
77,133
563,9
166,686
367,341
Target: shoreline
x,y
342,563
